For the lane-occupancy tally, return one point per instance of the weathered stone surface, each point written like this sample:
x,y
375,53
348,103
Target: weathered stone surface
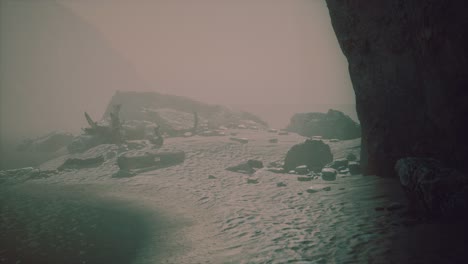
x,y
336,164
331,125
432,188
302,170
313,153
354,168
81,163
153,160
47,143
249,167
328,174
408,64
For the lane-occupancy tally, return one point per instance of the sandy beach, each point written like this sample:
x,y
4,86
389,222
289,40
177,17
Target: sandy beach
x,y
179,214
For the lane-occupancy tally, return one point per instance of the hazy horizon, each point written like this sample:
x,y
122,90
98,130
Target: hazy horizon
x,y
61,58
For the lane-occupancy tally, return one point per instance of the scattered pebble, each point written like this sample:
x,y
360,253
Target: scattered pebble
x,y
252,181
281,184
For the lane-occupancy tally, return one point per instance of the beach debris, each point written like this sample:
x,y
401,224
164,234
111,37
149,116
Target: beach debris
x,y
281,184
328,174
315,154
81,163
249,167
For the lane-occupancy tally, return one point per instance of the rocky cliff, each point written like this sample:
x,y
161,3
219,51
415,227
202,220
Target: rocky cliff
x,y
408,63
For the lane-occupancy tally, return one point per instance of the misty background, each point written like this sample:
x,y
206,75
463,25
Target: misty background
x,y
270,57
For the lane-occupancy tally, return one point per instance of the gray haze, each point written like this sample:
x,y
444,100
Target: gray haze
x,y
60,58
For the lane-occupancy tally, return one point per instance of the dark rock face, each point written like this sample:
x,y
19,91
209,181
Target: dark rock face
x,y
313,153
333,124
77,163
432,188
408,64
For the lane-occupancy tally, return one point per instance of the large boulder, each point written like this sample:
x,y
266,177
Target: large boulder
x,y
432,188
408,64
331,125
313,153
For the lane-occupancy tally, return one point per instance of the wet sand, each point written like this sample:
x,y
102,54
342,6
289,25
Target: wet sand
x,y
59,224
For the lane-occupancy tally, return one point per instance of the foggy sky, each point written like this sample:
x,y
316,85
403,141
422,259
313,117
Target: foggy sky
x,y
60,58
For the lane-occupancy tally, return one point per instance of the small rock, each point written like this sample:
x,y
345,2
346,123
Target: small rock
x,y
252,181
281,184
292,172
273,140
302,170
351,157
328,174
272,130
211,177
354,168
341,189
334,140
379,208
337,164
283,133
299,193
304,178
328,188
313,190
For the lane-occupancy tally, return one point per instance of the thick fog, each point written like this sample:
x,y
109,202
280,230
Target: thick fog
x,y
61,58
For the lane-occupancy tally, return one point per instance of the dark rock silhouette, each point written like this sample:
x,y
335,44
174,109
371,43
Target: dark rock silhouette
x,y
313,153
176,115
408,64
432,188
331,125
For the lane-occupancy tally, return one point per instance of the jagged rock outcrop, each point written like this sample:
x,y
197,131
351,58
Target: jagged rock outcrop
x,y
176,115
47,143
331,125
408,62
